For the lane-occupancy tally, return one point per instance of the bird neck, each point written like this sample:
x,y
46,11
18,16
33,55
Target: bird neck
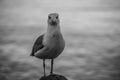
x,y
52,29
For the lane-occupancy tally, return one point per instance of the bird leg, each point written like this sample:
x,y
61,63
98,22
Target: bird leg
x,y
44,67
52,61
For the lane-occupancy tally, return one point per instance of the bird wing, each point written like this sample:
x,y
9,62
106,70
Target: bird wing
x,y
37,45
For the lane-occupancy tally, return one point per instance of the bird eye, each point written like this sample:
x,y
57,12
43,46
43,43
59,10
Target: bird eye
x,y
49,17
56,17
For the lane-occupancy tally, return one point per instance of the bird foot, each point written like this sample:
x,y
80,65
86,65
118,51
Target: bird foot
x,y
44,76
52,74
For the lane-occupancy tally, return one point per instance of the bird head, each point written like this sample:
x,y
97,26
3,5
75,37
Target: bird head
x,y
53,19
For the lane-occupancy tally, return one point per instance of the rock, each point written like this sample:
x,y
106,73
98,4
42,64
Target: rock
x,y
53,77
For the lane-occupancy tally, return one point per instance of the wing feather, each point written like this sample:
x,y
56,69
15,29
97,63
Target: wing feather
x,y
37,45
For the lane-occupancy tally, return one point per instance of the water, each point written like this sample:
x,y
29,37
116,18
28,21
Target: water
x,y
90,28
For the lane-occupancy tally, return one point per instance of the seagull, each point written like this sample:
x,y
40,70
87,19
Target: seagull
x,y
50,44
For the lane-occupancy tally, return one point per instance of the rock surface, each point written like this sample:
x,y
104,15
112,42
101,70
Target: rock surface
x,y
53,77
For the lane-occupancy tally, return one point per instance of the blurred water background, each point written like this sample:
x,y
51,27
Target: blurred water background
x,y
91,29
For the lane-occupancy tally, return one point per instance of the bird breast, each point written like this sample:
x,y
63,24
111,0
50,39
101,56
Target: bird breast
x,y
55,43
53,40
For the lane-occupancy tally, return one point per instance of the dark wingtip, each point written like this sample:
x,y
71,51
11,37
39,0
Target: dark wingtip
x,y
31,54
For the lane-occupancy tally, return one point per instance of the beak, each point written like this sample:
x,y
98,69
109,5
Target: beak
x,y
53,22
